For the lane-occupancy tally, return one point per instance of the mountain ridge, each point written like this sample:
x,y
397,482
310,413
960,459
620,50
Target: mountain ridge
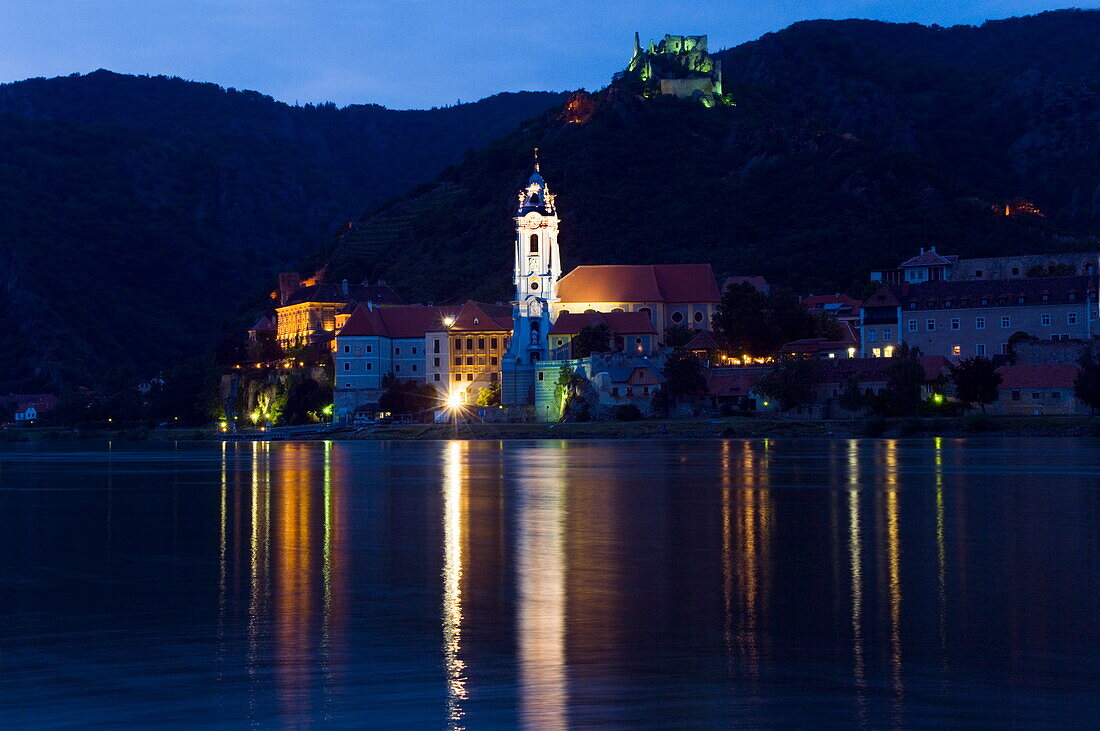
x,y
852,144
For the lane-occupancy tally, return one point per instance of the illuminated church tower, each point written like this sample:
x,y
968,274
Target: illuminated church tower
x,y
535,275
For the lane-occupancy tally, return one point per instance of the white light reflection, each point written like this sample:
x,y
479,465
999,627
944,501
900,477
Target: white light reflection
x,y
540,564
453,522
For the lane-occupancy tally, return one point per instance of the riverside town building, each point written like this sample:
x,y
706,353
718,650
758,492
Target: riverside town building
x,y
521,346
1042,308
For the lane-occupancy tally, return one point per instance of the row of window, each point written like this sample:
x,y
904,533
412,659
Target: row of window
x,y
396,367
931,324
370,349
470,377
470,344
985,301
470,361
678,317
887,334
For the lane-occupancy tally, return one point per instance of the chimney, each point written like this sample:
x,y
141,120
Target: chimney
x,y
344,286
289,283
933,249
922,249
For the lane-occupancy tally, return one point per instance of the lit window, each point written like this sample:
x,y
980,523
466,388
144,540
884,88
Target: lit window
x,y
876,352
979,323
1044,319
1006,321
956,350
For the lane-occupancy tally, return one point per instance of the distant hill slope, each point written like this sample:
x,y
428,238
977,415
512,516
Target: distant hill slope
x,y
138,212
852,144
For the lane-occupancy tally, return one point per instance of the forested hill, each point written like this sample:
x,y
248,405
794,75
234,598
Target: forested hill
x,y
137,212
852,144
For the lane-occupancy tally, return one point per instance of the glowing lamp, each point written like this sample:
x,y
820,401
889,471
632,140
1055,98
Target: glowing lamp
x,y
454,400
448,321
937,398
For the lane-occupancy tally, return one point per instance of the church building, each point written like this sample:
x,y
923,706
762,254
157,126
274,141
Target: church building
x,y
638,301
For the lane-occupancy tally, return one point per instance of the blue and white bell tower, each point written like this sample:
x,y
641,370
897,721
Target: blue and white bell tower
x,y
535,276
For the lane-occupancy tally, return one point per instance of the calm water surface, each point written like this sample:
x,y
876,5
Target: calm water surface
x,y
874,583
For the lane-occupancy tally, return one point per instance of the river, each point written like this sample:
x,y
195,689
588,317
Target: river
x,y
813,582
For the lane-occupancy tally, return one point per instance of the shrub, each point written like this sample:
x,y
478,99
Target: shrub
x,y
627,412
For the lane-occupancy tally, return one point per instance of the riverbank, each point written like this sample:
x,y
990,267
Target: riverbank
x,y
731,427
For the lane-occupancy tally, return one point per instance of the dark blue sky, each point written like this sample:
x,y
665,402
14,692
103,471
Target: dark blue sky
x,y
403,53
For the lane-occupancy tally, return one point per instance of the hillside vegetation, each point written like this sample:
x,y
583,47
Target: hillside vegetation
x,y
139,213
852,144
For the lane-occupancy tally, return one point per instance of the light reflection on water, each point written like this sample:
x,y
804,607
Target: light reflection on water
x,y
545,584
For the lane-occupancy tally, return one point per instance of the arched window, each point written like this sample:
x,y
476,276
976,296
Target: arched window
x,y
534,243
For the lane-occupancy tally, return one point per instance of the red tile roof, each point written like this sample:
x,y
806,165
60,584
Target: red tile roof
x,y
482,317
1054,375
838,370
673,283
732,381
926,258
816,345
620,323
830,301
405,321
703,340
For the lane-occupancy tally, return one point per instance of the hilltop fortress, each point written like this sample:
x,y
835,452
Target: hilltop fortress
x,y
678,66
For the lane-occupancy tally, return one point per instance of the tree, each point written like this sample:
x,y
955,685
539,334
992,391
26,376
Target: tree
x,y
904,378
851,398
1014,340
489,396
677,336
976,380
592,339
1087,384
749,321
789,383
683,374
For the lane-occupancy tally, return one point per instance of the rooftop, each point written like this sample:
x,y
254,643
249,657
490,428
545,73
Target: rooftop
x,y
670,283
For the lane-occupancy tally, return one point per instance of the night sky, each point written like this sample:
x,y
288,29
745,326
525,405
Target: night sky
x,y
403,53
